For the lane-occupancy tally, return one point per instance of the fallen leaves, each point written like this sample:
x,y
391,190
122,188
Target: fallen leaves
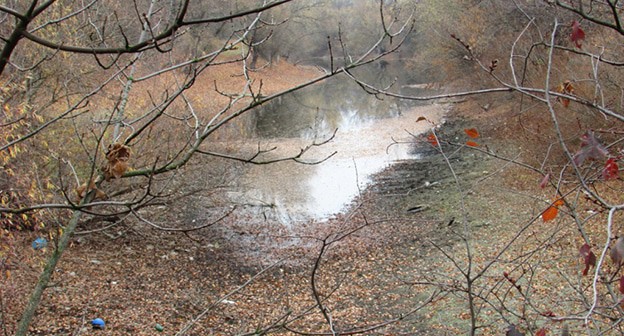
x,y
432,139
473,134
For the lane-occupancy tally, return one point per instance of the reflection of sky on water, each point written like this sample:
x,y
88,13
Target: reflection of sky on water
x,y
302,192
366,125
335,183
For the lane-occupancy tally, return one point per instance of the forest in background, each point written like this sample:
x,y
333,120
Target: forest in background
x,y
108,109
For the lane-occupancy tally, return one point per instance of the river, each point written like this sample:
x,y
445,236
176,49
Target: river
x,y
366,129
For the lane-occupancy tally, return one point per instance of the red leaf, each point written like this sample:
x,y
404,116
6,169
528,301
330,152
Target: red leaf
x,y
590,149
622,284
432,139
577,34
541,332
565,102
589,258
472,132
545,181
550,213
472,143
611,170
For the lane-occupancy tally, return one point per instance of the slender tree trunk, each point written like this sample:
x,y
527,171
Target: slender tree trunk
x,y
46,275
121,110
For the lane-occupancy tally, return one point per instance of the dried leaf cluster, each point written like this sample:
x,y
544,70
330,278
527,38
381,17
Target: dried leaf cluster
x,y
116,164
565,88
83,190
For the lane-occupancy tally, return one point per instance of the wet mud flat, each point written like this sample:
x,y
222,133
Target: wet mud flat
x,y
411,205
366,278
429,185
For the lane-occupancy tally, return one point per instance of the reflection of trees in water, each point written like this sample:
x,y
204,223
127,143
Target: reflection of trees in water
x,y
338,103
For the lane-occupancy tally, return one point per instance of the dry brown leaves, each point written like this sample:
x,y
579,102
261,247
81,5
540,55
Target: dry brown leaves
x,y
83,190
116,164
565,88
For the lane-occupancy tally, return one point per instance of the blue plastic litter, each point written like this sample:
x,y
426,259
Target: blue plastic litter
x,y
98,323
39,243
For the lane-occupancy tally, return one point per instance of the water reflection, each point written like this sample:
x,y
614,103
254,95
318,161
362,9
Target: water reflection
x,y
319,110
366,126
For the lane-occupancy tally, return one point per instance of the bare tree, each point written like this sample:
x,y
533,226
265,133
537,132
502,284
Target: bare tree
x,y
562,266
85,121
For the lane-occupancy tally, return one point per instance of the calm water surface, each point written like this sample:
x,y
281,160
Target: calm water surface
x,y
366,127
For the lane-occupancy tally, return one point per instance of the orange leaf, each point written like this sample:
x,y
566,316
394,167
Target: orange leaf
x,y
432,139
472,132
472,144
558,203
566,88
550,213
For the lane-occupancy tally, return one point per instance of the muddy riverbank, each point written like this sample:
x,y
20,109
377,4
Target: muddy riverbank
x,y
374,263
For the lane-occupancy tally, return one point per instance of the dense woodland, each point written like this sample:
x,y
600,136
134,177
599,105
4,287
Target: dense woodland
x,y
123,125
